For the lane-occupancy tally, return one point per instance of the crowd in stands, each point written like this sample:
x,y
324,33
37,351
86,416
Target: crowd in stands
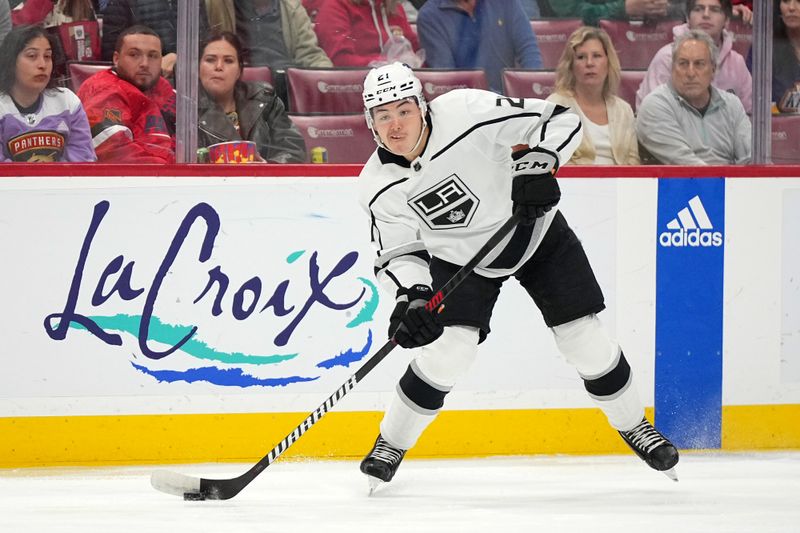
x,y
691,106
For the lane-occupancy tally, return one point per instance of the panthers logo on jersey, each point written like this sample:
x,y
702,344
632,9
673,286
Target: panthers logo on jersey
x,y
37,146
448,204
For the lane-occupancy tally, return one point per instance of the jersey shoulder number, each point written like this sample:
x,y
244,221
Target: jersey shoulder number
x,y
513,102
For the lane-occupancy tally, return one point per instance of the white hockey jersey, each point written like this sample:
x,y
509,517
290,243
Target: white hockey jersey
x,y
457,193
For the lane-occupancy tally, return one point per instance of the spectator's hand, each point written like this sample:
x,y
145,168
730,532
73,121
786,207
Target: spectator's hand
x,y
646,8
168,64
743,12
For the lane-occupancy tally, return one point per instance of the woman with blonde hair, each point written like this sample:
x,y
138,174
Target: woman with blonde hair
x,y
587,78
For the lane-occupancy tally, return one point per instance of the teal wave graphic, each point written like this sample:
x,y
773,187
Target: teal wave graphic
x,y
294,256
172,334
367,312
226,377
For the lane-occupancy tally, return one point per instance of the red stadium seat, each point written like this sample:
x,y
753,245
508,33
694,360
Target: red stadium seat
x,y
436,82
552,36
742,36
325,90
524,83
345,138
79,71
636,43
628,85
786,139
262,74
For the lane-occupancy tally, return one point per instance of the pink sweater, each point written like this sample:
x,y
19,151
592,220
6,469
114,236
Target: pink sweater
x,y
732,74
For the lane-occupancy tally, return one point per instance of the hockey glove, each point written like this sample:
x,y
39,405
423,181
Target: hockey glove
x,y
534,189
411,325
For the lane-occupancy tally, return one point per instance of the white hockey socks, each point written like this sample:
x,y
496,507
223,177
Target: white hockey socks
x,y
603,368
420,394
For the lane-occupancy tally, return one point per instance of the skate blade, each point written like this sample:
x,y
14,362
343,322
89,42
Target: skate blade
x,y
671,474
374,484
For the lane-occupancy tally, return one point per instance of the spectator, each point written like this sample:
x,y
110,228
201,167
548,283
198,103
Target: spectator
x,y
277,33
131,107
49,13
5,19
785,54
688,121
587,78
487,34
360,33
591,11
231,109
39,122
710,16
160,15
76,45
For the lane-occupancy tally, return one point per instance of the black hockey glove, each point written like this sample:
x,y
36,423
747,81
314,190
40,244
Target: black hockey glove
x,y
411,325
534,189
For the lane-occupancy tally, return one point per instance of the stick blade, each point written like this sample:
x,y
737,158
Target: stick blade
x,y
174,483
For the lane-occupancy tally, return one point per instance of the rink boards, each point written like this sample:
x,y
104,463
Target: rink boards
x,y
165,318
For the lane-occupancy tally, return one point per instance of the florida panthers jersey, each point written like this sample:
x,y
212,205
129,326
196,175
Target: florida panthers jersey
x,y
57,131
457,193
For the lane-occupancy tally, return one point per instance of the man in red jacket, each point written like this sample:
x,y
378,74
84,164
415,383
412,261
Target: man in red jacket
x,y
131,107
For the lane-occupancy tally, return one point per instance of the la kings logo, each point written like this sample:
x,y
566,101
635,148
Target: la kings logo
x,y
448,204
691,228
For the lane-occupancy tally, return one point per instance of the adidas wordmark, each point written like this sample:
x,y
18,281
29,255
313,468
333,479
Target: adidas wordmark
x,y
691,227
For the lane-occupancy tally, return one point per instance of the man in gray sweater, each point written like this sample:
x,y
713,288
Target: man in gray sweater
x,y
688,121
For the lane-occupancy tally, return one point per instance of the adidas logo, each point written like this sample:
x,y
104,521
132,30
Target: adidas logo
x,y
691,227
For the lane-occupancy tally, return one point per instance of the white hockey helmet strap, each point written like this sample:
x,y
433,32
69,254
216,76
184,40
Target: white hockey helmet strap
x,y
390,83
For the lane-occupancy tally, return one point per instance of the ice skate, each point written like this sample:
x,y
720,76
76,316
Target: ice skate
x,y
653,448
381,463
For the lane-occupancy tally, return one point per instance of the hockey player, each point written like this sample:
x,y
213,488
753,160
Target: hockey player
x,y
442,180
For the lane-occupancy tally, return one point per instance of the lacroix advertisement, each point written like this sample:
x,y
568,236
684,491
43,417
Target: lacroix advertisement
x,y
131,289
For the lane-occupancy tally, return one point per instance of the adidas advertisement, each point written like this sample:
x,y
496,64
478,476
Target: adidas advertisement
x,y
691,227
689,284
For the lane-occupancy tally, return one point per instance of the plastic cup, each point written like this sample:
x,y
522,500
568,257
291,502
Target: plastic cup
x,y
232,152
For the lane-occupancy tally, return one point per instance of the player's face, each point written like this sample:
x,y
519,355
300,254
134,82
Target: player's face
x,y
590,66
34,66
399,125
692,72
219,69
707,15
139,60
790,13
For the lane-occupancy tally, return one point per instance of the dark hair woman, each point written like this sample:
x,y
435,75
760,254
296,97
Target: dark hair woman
x,y
231,109
38,121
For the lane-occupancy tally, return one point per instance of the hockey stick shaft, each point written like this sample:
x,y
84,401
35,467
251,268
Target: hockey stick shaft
x,y
223,489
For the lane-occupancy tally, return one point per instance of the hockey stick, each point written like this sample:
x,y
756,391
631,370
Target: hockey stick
x,y
193,488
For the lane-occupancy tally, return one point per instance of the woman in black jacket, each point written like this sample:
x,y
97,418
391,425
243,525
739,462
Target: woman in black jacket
x,y
230,109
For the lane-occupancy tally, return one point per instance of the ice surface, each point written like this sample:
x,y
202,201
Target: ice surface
x,y
615,494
